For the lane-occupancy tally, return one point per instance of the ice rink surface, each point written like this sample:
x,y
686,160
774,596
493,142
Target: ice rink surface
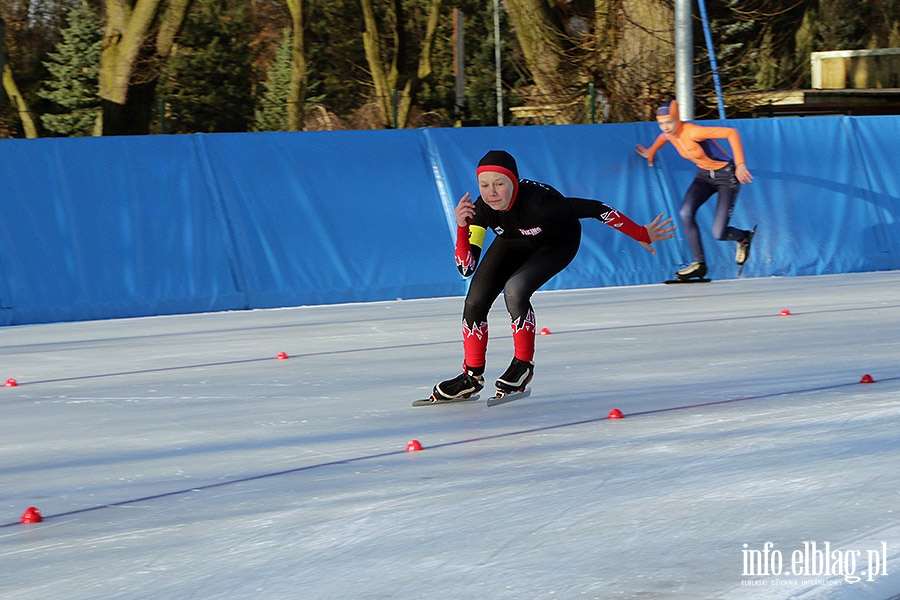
x,y
175,457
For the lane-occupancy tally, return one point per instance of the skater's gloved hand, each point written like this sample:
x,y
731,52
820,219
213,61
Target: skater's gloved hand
x,y
742,173
658,230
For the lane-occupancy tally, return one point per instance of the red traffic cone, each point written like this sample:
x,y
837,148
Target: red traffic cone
x,y
867,379
545,331
615,414
10,383
32,515
281,356
785,312
413,446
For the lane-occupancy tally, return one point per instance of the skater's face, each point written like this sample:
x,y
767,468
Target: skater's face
x,y
668,124
496,189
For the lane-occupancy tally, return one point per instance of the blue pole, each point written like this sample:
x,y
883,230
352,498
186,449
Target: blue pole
x,y
712,58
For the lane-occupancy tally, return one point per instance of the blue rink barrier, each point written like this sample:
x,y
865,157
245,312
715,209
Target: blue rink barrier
x,y
96,228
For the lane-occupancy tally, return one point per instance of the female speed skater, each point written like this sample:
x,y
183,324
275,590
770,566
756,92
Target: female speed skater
x,y
717,172
538,233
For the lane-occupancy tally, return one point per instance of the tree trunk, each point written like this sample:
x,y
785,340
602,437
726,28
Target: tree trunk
x,y
539,39
297,91
604,13
386,77
133,116
127,93
424,68
374,53
629,56
21,106
642,64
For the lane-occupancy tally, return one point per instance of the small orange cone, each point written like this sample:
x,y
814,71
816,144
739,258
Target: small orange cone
x,y
281,356
867,379
32,515
785,312
615,414
10,383
413,446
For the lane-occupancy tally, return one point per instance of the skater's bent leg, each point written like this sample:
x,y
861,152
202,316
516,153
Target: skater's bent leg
x,y
521,316
523,335
475,340
475,333
721,230
698,193
543,265
497,264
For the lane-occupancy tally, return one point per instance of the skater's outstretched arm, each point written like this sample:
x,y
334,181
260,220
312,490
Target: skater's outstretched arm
x,y
654,231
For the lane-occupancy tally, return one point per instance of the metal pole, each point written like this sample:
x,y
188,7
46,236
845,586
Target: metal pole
x,y
497,62
707,34
684,59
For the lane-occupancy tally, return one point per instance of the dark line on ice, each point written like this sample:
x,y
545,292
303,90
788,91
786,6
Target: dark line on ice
x,y
352,460
439,343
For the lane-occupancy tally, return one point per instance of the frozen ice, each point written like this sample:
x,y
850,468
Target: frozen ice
x,y
175,457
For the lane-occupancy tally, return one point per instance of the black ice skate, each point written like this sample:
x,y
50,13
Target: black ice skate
x,y
511,385
695,270
743,248
460,387
516,377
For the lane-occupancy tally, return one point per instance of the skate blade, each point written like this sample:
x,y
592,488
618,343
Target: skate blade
x,y
434,401
503,398
695,280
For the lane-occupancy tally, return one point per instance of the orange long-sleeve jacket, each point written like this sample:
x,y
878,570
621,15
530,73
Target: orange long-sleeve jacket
x,y
698,144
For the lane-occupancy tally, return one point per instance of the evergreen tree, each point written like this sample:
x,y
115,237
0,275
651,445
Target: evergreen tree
x,y
208,81
271,112
73,86
481,81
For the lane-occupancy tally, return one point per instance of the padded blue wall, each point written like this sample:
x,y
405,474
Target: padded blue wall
x,y
96,228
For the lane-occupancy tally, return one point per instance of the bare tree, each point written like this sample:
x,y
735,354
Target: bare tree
x,y
372,43
387,75
624,47
545,46
27,33
640,71
19,102
297,93
137,39
423,67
